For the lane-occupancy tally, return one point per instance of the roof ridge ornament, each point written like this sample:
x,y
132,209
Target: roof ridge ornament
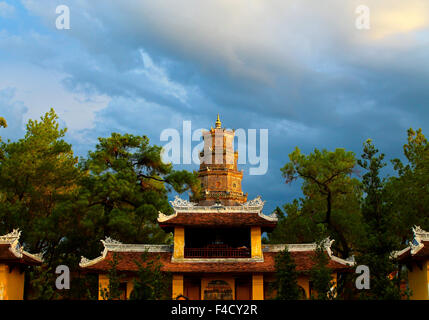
x,y
181,203
163,217
11,237
420,233
109,241
257,202
83,261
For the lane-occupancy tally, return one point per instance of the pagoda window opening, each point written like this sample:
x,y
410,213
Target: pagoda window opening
x,y
217,243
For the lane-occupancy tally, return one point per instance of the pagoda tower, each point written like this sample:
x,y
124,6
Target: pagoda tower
x,y
218,173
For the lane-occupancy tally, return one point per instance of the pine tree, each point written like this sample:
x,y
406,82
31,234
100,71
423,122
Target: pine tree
x,y
151,283
112,292
287,277
321,276
379,221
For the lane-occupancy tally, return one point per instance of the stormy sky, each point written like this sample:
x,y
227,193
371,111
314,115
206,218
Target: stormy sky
x,y
299,68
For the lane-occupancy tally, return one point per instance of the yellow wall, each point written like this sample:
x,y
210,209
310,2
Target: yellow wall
x,y
418,282
255,236
11,283
179,242
103,283
303,282
257,287
177,285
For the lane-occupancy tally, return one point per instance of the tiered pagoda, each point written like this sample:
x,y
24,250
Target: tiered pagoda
x,y
217,251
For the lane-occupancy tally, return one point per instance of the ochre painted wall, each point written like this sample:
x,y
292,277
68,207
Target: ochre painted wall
x,y
418,281
257,287
11,283
177,288
103,283
303,282
179,242
255,239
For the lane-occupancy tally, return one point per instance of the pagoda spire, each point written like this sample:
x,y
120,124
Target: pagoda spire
x,y
218,123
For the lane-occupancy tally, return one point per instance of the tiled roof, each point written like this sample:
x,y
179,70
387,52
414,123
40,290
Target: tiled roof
x,y
418,248
7,255
218,219
126,263
419,253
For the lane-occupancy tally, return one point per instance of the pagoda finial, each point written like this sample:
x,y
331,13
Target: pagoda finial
x,y
218,123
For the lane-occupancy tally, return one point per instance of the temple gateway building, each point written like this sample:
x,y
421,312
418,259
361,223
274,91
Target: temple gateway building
x,y
217,252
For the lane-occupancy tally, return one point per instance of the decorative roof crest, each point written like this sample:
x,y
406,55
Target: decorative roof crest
x,y
84,261
163,217
420,234
327,243
181,203
11,237
257,202
109,242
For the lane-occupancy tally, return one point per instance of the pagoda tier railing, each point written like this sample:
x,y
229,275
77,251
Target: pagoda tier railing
x,y
217,252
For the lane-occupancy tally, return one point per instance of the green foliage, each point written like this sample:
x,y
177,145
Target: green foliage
x,y
42,281
112,292
39,183
321,276
151,283
3,122
379,222
330,206
409,192
294,225
287,277
126,185
64,207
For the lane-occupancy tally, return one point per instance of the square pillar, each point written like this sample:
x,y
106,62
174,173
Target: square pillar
x,y
255,242
179,243
257,287
177,287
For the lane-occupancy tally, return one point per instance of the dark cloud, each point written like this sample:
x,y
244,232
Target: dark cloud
x,y
299,68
